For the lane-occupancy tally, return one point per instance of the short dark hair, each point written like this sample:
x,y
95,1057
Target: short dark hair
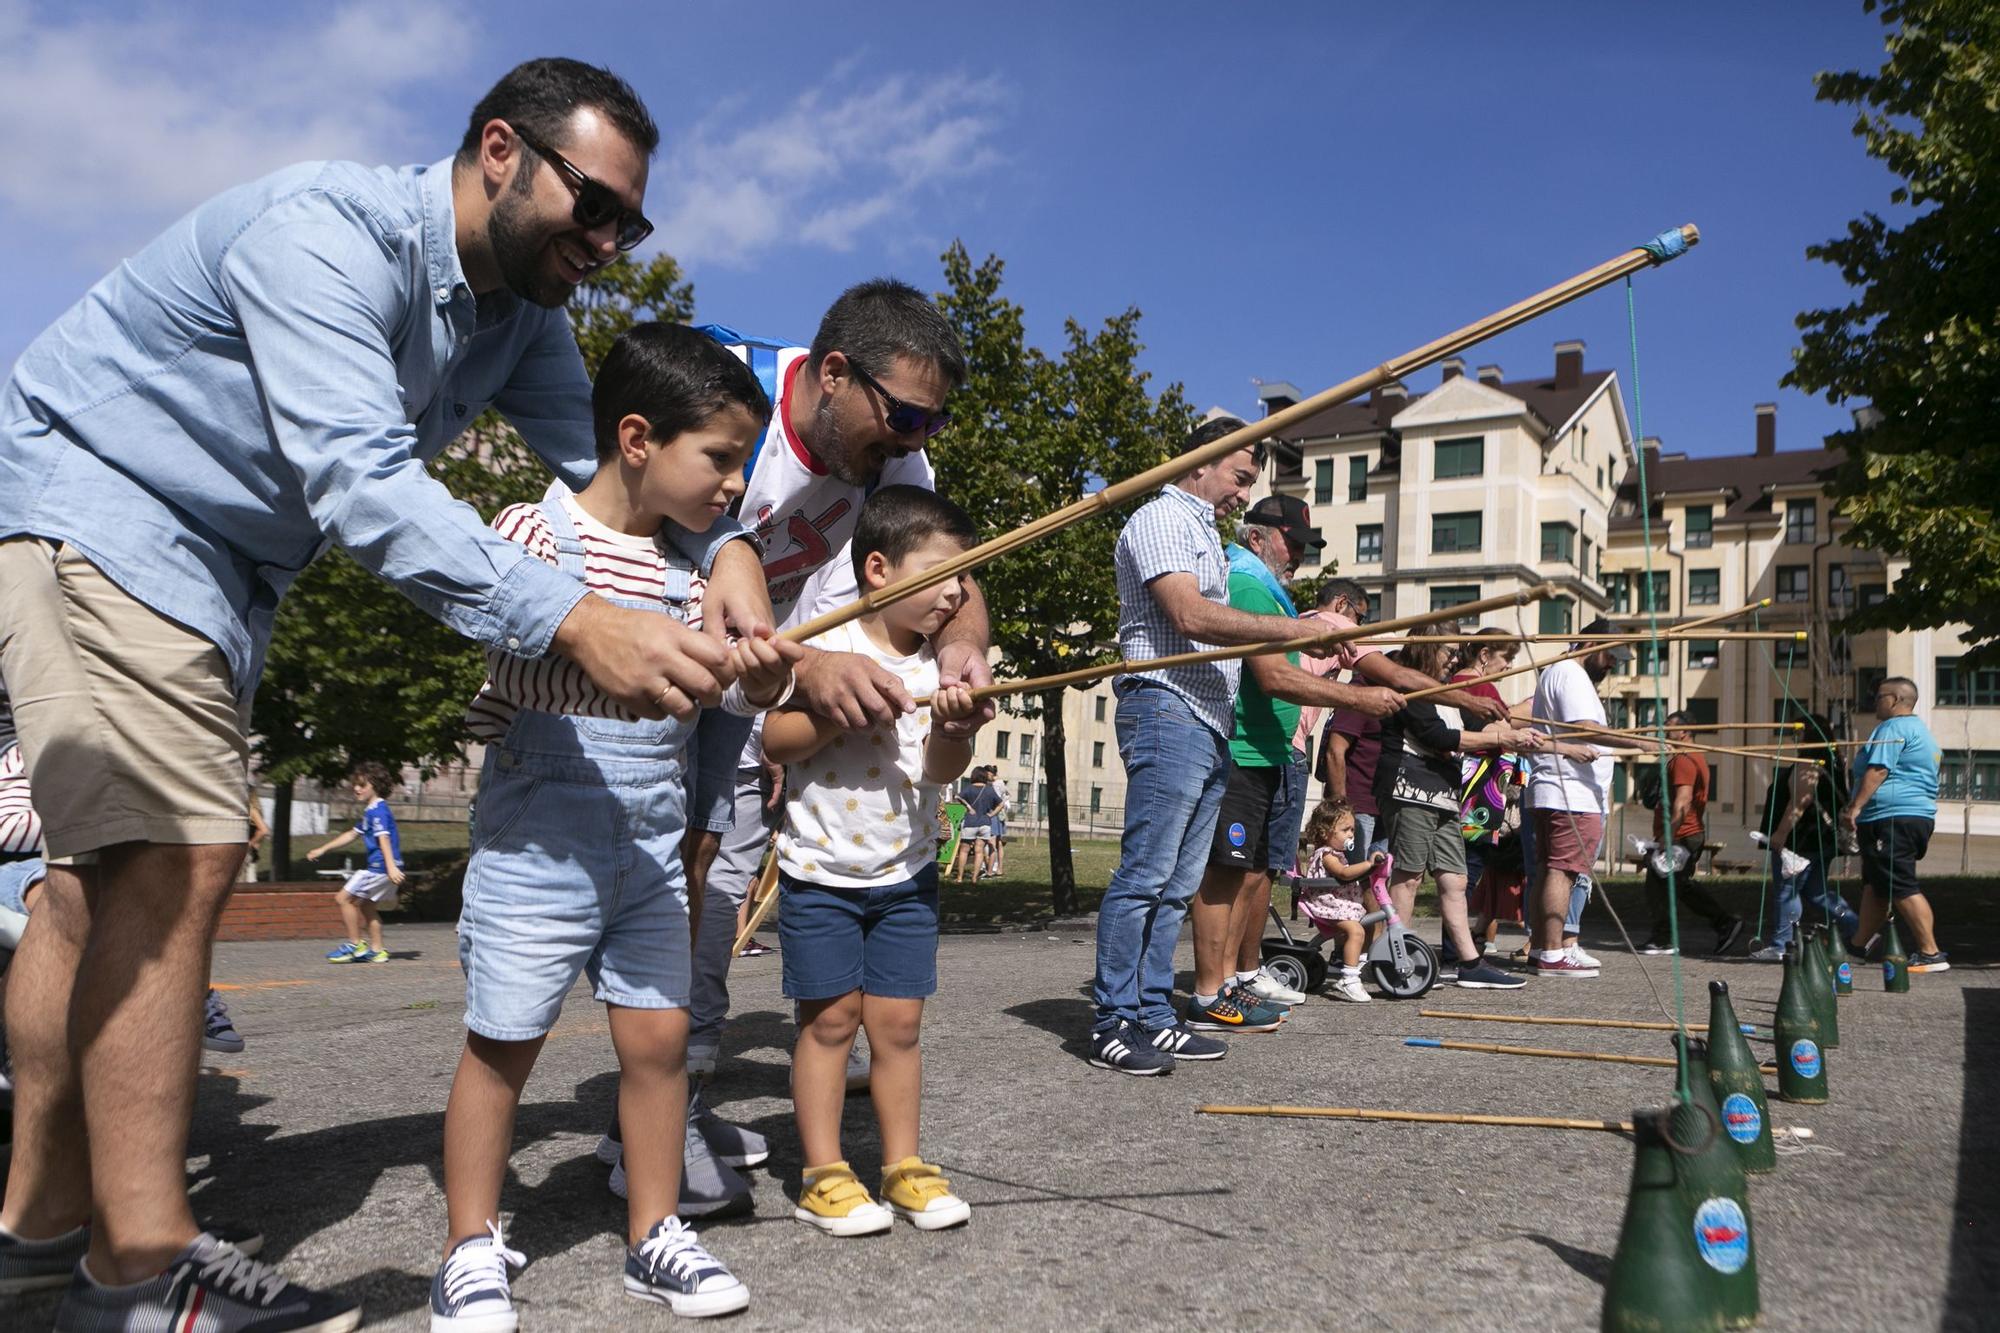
x,y
1208,432
1332,589
874,322
674,377
1679,717
375,775
539,98
896,520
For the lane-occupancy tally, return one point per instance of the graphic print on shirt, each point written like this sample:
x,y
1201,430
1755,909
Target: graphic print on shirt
x,y
805,546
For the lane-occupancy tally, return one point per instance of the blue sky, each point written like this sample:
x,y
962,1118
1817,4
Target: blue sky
x,y
1287,191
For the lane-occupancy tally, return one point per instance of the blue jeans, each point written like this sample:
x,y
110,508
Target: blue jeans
x,y
1808,888
1175,766
1364,835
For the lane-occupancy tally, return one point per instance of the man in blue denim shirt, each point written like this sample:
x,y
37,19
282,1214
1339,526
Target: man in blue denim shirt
x,y
268,378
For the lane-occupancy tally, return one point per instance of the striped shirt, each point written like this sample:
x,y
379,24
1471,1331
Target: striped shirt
x,y
20,829
1174,533
616,565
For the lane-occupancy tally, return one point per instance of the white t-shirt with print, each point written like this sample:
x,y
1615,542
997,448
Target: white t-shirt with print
x,y
803,515
859,814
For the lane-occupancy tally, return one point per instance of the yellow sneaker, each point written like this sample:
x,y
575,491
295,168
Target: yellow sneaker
x,y
831,1199
918,1193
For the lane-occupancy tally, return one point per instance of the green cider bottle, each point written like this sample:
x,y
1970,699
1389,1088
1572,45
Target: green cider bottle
x,y
1659,1278
1716,1193
1801,1058
1843,967
1819,976
1895,962
1738,1084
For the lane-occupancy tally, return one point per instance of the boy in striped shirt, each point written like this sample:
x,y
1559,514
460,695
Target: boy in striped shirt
x,y
576,846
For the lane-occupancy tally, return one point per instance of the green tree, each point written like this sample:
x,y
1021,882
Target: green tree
x,y
1033,433
355,671
1921,340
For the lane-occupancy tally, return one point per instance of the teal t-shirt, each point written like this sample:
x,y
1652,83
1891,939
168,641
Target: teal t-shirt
x,y
1263,734
1905,747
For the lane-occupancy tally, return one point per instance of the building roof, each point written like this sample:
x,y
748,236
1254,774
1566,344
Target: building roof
x,y
1745,479
1365,416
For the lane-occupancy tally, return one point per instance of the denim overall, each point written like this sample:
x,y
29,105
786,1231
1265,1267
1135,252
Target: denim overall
x,y
576,854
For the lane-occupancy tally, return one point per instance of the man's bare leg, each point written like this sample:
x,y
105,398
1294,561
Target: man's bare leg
x,y
1211,913
1247,920
1451,906
1551,907
135,1038
48,1180
1915,909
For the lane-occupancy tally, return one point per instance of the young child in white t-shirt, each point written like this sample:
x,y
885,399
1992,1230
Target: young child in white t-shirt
x,y
858,915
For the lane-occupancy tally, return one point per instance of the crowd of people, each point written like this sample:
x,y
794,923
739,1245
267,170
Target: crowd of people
x,y
271,376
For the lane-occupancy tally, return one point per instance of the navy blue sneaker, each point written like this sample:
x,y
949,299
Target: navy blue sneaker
x,y
209,1286
1184,1043
1124,1047
469,1293
671,1268
1485,976
37,1265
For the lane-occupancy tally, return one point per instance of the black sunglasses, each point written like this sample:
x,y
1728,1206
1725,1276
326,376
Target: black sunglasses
x,y
903,418
596,204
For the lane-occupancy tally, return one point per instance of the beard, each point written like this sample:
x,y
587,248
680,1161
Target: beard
x,y
1596,668
832,448
520,248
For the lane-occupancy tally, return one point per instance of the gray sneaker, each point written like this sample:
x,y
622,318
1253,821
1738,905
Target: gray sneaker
x,y
734,1144
210,1286
40,1265
857,1065
710,1187
1770,953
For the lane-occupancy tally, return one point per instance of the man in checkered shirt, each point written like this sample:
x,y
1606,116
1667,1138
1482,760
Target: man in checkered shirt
x,y
1173,736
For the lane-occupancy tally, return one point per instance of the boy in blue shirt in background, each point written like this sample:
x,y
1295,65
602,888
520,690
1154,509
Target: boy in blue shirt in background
x,y
374,887
1893,812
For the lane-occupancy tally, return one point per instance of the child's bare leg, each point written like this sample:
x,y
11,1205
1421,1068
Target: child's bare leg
x,y
350,912
896,1071
652,1105
1350,942
372,914
819,1073
479,1130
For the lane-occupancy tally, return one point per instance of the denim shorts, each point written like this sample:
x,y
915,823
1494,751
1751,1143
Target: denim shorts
x,y
713,755
879,941
570,876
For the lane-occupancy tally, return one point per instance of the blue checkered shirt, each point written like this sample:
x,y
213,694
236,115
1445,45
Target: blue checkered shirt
x,y
1174,533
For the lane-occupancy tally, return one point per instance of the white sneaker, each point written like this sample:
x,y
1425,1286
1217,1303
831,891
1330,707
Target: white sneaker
x,y
1267,987
1349,988
1576,955
857,1065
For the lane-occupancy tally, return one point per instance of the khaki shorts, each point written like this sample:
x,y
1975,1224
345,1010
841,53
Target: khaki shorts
x,y
128,723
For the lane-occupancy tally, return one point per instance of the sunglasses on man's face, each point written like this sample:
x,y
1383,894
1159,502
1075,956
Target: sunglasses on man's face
x,y
903,418
596,203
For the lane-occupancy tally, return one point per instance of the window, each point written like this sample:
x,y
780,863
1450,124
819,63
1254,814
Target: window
x,y
1618,590
1792,655
1096,799
1701,712
1098,705
1559,542
1027,747
1460,458
1584,564
1839,592
1455,533
1794,583
1970,775
1617,713
1867,680
1801,517
1097,754
1368,544
1959,688
1661,590
1021,795
1443,599
1374,607
1323,481
1651,660
999,745
1873,594
1645,712
1700,525
1600,476
1556,616
1357,477
1704,652
1704,587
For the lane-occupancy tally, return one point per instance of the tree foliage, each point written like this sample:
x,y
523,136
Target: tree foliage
x,y
1031,434
355,671
1920,341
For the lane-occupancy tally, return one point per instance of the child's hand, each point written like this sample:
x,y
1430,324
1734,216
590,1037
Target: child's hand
x,y
764,664
396,875
1376,858
315,853
953,703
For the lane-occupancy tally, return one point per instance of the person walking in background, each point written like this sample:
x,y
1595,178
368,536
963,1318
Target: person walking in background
x,y
1684,809
368,890
1802,814
1892,812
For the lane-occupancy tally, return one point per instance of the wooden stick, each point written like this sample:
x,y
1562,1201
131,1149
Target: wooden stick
x,y
1420,1117
1588,729
1481,639
765,896
1630,261
1568,1022
1304,643
1709,726
1486,1048
1585,651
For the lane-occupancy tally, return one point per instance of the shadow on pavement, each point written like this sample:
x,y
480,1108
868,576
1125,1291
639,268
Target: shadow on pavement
x,y
1066,1019
1591,1264
1119,1202
1971,1288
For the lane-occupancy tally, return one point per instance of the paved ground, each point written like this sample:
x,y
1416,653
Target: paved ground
x,y
1103,1201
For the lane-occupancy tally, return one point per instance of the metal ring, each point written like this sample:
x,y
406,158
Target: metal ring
x,y
1696,1150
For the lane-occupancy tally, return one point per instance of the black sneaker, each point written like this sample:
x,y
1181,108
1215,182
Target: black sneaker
x,y
671,1267
210,1286
1930,962
1657,948
1485,976
1729,934
1123,1047
1184,1043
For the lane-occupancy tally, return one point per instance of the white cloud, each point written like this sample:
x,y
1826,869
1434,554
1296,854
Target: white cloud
x,y
839,162
118,125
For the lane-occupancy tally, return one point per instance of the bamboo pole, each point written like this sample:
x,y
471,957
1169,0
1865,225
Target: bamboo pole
x,y
1303,643
765,897
1540,1020
1591,730
1710,726
1481,639
1533,307
1549,1053
1641,636
1419,1117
